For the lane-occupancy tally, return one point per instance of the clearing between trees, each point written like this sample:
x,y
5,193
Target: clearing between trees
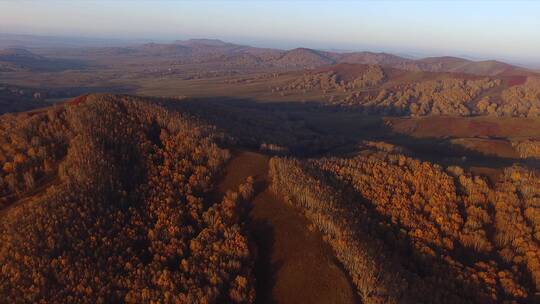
x,y
293,263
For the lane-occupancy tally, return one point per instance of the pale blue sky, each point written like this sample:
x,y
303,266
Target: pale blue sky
x,y
486,29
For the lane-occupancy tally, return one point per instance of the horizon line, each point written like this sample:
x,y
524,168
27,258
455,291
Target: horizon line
x,y
416,54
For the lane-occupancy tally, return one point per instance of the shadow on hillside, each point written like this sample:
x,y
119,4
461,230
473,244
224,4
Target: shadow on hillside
x,y
47,64
419,266
262,235
69,92
309,129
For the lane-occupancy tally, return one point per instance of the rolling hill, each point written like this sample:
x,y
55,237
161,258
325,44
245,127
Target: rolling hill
x,y
303,58
433,64
310,58
205,43
217,54
374,58
13,59
155,49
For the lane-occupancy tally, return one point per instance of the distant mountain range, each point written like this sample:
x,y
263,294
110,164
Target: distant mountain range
x,y
311,58
214,50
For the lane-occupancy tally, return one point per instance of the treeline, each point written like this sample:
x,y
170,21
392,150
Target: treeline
x,y
371,268
371,76
527,148
522,100
375,93
450,96
410,231
130,219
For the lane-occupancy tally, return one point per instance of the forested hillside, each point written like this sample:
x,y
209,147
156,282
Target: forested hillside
x,y
379,90
124,211
112,198
409,231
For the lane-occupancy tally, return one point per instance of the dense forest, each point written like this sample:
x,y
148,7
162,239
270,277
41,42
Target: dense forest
x,y
382,91
129,216
436,97
414,232
329,80
113,198
454,96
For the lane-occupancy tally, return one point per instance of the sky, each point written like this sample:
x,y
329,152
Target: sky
x,y
507,30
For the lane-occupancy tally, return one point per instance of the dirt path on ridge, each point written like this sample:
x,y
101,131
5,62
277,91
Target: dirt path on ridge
x,y
294,264
33,195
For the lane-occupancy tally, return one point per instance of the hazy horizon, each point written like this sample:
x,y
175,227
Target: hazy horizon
x,y
478,30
